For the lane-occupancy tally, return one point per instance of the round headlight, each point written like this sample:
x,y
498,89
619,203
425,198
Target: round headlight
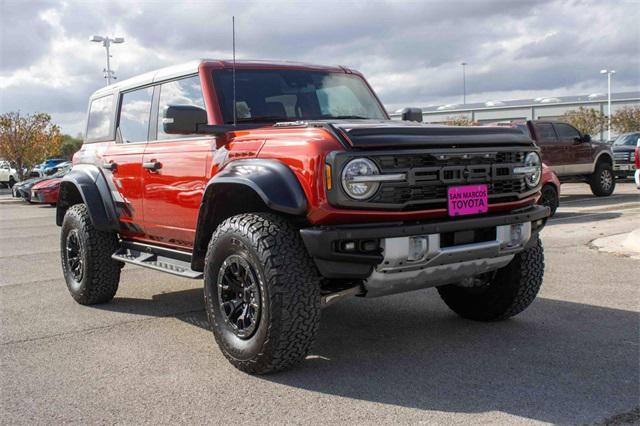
x,y
354,179
532,160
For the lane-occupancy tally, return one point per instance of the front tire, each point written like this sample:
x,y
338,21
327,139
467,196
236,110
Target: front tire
x,y
91,274
509,292
602,181
262,293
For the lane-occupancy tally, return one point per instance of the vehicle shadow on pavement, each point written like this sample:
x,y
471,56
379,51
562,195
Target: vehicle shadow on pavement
x,y
576,217
557,362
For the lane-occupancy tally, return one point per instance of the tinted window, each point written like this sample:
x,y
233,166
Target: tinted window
x,y
286,95
630,139
180,92
566,131
134,115
100,121
545,132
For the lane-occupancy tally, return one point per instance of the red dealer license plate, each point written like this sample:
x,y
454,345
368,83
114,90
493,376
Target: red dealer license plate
x,y
467,199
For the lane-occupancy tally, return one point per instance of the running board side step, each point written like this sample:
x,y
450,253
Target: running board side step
x,y
158,258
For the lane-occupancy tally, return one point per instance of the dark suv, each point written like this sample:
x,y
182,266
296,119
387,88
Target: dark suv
x,y
287,187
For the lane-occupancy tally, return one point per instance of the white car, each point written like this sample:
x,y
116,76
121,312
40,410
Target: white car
x,y
8,175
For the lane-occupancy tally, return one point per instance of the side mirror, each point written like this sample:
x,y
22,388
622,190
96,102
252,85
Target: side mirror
x,y
190,119
586,138
412,114
183,119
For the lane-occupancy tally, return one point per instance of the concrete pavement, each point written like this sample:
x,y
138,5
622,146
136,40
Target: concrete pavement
x,y
147,357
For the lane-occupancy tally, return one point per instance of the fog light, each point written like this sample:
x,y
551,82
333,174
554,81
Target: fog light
x,y
417,248
348,246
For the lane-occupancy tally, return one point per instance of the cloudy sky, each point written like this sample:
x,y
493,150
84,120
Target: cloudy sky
x,y
409,51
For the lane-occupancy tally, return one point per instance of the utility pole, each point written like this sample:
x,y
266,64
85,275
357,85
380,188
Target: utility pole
x,y
609,73
106,43
464,83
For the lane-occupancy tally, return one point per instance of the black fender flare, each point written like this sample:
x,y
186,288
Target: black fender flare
x,y
271,180
92,186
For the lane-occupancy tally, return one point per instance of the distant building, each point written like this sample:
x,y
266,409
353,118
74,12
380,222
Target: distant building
x,y
527,109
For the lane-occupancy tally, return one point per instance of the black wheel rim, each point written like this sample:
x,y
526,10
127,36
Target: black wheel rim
x,y
239,296
75,264
606,179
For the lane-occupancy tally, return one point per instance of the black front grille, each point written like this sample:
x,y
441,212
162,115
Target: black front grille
x,y
429,176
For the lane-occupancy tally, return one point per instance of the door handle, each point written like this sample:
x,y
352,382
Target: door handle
x,y
110,165
152,165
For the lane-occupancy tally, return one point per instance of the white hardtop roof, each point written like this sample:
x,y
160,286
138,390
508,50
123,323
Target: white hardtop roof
x,y
187,68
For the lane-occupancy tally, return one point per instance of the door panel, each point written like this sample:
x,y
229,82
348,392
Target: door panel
x,y
125,181
172,193
579,153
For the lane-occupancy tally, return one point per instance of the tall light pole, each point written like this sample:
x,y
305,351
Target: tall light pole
x,y
106,42
608,73
464,83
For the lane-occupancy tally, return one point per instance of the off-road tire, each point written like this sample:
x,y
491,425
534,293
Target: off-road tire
x,y
549,198
598,180
101,274
289,285
510,292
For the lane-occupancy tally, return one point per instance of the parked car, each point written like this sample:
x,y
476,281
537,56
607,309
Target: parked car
x,y
291,189
550,192
8,175
572,155
637,161
624,147
50,163
47,191
23,189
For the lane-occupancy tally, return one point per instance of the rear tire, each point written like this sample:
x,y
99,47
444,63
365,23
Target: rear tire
x,y
602,181
11,182
510,291
91,274
549,198
262,293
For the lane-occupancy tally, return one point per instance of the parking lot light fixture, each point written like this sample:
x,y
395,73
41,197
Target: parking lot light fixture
x,y
106,42
609,73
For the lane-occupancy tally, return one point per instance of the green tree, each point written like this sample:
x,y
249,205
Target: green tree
x,y
28,139
587,120
70,146
626,119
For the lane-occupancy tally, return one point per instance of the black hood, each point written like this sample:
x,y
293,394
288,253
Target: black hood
x,y
375,134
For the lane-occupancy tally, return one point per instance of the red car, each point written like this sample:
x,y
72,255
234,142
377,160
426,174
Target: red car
x,y
550,192
46,192
287,187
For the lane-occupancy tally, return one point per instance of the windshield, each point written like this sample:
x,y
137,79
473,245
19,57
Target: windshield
x,y
290,95
630,139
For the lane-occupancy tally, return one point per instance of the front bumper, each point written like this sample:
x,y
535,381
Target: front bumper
x,y
624,169
453,249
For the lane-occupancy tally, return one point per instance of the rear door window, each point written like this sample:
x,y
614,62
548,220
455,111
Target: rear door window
x,y
134,115
545,133
100,120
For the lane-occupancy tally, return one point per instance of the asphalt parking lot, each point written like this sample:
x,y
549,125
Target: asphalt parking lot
x,y
148,357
